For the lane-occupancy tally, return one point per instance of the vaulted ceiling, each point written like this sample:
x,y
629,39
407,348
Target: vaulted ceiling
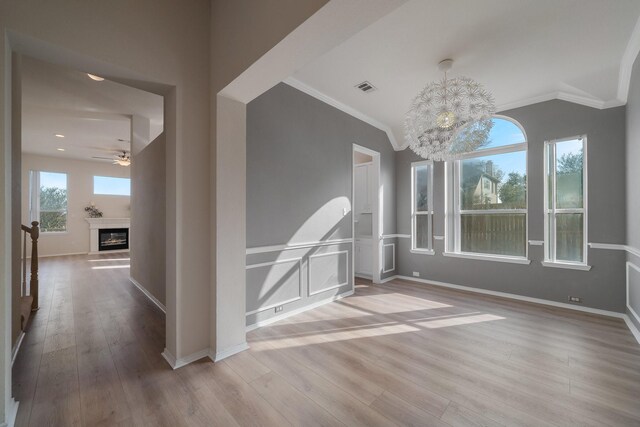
x,y
522,51
94,116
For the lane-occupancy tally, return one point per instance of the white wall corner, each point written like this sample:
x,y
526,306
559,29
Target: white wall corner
x,y
228,352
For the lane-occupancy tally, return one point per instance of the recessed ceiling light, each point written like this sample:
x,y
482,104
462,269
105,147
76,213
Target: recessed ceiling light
x,y
94,77
59,135
60,149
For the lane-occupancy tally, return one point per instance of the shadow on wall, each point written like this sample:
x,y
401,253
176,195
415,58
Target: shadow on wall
x,y
320,226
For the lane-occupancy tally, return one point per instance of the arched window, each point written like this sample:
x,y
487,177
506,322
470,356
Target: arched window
x,y
487,211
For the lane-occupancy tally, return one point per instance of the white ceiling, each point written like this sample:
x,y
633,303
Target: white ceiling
x,y
522,51
91,115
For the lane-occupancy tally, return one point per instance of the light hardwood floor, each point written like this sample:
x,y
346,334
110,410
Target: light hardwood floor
x,y
396,354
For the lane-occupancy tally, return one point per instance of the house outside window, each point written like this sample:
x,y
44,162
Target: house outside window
x,y
487,197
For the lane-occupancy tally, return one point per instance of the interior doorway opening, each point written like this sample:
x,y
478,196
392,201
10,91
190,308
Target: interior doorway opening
x,y
367,213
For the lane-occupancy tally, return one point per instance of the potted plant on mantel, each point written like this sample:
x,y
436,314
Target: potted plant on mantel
x,y
93,211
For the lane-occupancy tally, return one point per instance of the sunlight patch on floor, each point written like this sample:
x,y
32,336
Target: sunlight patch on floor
x,y
105,267
109,259
459,320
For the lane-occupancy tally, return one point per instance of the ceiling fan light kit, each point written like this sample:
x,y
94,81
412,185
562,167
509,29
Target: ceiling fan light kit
x,y
449,118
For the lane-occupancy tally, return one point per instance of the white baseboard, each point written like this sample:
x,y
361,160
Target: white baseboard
x,y
364,276
148,295
516,297
183,361
223,354
298,311
388,279
632,327
12,412
16,348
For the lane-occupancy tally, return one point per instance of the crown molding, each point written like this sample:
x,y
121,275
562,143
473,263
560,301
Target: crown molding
x,y
626,65
297,84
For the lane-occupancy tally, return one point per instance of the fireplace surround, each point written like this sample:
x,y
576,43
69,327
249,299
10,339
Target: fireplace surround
x,y
108,227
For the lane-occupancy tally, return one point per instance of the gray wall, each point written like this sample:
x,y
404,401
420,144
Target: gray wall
x,y
633,183
604,286
299,173
148,217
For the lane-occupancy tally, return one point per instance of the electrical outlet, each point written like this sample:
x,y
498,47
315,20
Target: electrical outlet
x,y
279,309
575,299
416,274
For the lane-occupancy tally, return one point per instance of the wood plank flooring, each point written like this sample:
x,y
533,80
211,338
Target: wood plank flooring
x,y
395,354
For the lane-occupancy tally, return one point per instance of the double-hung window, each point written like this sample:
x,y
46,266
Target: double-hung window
x,y
48,200
487,198
422,207
565,200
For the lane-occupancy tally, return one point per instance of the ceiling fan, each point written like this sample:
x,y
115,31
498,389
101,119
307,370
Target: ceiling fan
x,y
122,158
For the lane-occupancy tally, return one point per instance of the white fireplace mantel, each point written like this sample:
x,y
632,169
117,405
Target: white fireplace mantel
x,y
96,224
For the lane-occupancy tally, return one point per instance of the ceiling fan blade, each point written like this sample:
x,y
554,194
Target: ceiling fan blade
x,y
102,158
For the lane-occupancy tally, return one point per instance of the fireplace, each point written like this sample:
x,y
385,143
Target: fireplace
x,y
111,239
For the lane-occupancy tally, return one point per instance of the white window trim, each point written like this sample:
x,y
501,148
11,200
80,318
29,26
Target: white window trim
x,y
34,201
453,212
415,213
550,247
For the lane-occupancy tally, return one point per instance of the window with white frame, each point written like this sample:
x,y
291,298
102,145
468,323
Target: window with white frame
x,y
48,200
422,206
487,196
565,200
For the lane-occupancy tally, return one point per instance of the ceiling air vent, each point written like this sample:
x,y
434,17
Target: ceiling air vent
x,y
366,87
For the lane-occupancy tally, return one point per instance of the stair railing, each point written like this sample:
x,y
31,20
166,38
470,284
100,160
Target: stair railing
x,y
34,233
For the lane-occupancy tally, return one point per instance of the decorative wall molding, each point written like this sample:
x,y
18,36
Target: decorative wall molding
x,y
278,248
16,348
337,285
148,295
290,300
438,237
399,236
344,108
616,247
393,245
298,310
563,96
631,310
536,242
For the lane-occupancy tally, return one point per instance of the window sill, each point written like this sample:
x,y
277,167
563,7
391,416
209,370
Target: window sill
x,y
567,265
423,251
512,260
53,233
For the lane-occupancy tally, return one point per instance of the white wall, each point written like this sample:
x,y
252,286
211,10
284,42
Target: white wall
x,y
79,194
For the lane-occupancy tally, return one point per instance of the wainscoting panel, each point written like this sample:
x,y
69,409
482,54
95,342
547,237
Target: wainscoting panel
x,y
271,284
633,290
328,271
389,251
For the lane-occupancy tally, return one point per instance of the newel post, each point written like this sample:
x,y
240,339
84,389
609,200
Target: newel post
x,y
33,284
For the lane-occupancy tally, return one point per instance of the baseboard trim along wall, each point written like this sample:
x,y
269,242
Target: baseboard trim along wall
x,y
589,310
16,348
148,295
12,414
218,356
299,310
184,361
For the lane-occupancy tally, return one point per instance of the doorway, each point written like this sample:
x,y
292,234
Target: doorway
x,y
366,213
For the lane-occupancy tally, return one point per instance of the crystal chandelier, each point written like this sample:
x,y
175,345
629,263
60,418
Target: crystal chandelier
x,y
449,118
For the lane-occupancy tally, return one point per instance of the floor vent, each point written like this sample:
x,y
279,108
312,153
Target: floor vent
x,y
366,87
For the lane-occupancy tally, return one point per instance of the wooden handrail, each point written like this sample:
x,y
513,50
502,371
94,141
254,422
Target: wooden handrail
x,y
34,232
